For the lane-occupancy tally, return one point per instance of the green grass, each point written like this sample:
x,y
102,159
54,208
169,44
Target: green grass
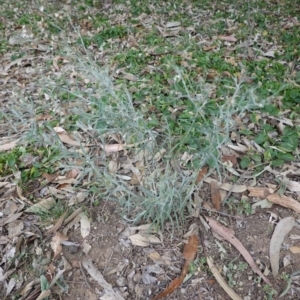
x,y
175,102
191,90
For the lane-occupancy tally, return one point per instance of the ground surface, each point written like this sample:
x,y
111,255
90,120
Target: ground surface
x,y
118,115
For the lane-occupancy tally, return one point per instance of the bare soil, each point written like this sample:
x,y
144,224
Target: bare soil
x,y
122,264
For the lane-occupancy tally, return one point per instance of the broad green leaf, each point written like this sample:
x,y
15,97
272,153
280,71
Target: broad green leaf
x,y
245,161
44,283
268,154
261,138
277,162
285,156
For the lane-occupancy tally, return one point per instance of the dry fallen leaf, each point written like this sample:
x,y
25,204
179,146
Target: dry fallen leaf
x,y
139,240
152,254
154,239
293,186
283,227
239,148
173,24
113,147
229,158
129,77
209,48
78,198
85,225
57,224
11,218
229,38
56,243
295,249
285,201
201,175
227,234
15,228
86,247
234,188
44,294
189,253
259,192
45,204
8,146
215,195
262,203
65,138
109,293
221,280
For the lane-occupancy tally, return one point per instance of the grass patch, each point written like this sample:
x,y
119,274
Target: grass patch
x,y
158,88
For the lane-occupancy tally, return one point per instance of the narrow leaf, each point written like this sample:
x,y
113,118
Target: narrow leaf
x,y
201,175
215,195
229,236
282,229
85,225
189,253
221,280
285,201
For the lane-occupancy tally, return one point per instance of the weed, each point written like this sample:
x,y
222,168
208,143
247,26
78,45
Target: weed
x,y
285,276
240,207
49,216
269,292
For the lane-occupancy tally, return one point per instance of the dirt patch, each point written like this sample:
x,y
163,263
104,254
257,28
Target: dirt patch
x,y
124,266
137,272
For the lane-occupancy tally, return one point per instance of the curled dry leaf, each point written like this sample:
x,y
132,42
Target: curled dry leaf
x,y
282,229
227,234
259,192
285,201
189,253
